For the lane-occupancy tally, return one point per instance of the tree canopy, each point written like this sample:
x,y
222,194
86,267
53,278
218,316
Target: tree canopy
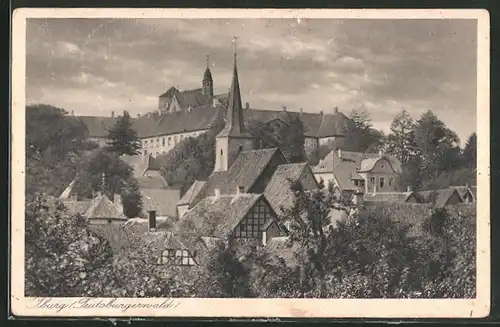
x,y
122,138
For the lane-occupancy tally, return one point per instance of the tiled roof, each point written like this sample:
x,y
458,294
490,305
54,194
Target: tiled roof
x,y
387,196
442,195
151,182
200,118
169,93
163,201
363,160
140,163
463,190
192,98
217,216
278,191
244,172
98,126
75,207
102,207
191,193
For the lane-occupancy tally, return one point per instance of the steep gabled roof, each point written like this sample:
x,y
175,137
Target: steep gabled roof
x,y
388,197
169,93
463,190
244,172
191,193
217,216
140,163
278,191
163,201
102,207
442,196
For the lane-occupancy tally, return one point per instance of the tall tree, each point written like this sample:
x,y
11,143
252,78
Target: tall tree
x,y
361,135
105,172
54,142
437,143
470,151
122,138
401,140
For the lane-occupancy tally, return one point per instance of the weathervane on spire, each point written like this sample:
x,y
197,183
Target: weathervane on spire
x,y
208,61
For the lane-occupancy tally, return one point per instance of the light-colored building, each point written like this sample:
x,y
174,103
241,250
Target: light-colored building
x,y
348,172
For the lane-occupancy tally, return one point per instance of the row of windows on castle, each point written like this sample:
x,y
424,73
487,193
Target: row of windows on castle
x,y
162,144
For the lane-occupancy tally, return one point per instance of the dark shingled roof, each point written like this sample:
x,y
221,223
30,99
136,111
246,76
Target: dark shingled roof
x,y
463,190
201,118
140,163
191,193
102,207
278,191
388,196
217,216
244,172
163,201
442,195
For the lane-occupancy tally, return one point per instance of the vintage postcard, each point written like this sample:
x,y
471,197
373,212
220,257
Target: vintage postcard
x,y
250,163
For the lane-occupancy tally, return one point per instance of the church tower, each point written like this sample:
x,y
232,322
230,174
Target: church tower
x,y
233,138
208,83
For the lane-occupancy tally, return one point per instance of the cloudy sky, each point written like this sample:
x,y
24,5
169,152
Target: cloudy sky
x,y
94,66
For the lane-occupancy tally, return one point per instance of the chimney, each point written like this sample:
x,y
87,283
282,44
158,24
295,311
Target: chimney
x,y
117,200
240,190
301,111
339,153
408,188
247,105
284,108
152,220
336,110
72,112
217,192
321,112
112,114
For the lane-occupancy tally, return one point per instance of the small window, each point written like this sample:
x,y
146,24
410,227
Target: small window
x,y
163,141
169,140
382,181
372,180
221,152
390,181
175,139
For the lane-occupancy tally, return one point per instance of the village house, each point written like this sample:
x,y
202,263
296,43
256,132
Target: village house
x,y
368,173
98,211
441,198
190,113
466,193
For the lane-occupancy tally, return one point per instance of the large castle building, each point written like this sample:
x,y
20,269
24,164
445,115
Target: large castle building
x,y
190,113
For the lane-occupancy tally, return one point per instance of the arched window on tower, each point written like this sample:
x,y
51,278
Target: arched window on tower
x,y
221,159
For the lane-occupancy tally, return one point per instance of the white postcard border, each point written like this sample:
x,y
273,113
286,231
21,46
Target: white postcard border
x,y
283,308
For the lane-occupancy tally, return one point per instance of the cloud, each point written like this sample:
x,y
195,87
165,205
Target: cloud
x,y
99,65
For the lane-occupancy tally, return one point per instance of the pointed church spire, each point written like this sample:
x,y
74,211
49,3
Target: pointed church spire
x,y
208,83
235,122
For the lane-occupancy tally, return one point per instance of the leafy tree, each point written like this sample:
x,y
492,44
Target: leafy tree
x,y
401,140
308,224
437,143
54,143
103,171
470,151
361,137
122,138
63,257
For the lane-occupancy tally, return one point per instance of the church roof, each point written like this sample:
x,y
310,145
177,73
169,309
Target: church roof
x,y
244,172
207,76
235,124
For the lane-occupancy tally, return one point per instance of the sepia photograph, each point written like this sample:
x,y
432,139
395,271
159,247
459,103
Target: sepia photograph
x,y
250,163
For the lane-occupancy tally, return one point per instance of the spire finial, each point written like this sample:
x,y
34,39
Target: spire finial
x,y
103,180
208,61
235,38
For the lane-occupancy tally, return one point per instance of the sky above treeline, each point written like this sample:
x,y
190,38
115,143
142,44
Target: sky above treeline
x,y
95,66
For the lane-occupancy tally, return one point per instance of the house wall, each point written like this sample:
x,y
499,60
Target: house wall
x,y
412,199
182,209
163,143
310,143
382,178
327,178
272,231
163,104
308,180
105,221
225,147
252,225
